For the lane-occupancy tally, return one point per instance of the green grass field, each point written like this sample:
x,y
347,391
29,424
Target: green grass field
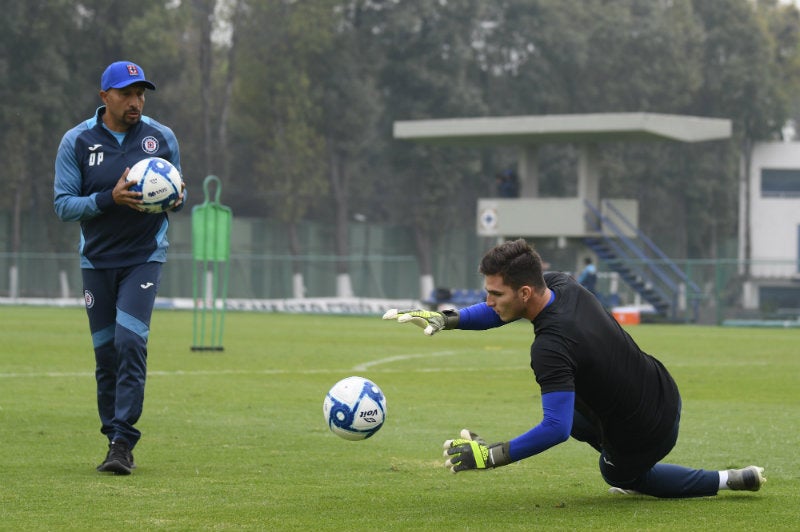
x,y
236,440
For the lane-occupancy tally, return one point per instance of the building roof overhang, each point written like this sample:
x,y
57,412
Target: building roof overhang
x,y
575,128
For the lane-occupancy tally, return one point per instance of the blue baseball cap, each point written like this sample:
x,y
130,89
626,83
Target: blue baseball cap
x,y
123,73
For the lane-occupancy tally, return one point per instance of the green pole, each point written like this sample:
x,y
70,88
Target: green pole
x,y
211,235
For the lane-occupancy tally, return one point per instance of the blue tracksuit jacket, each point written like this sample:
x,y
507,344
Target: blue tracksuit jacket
x,y
89,162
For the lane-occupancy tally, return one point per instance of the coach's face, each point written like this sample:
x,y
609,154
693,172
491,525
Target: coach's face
x,y
123,106
507,302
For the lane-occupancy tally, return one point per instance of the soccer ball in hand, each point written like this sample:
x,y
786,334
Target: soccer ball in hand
x,y
354,408
158,181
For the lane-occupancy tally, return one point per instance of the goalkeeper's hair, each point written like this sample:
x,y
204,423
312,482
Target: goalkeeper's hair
x,y
516,262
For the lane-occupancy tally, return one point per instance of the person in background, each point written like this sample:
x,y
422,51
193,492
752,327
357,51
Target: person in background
x,y
122,248
596,384
588,276
507,184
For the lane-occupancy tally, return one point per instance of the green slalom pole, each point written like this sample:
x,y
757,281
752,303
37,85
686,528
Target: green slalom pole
x,y
211,248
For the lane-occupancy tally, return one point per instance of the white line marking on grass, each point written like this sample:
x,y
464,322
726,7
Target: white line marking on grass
x,y
211,373
180,372
366,366
370,365
159,373
44,374
398,358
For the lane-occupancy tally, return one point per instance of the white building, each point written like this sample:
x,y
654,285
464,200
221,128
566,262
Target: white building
x,y
769,226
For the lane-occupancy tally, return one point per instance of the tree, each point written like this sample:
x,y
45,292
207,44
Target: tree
x,y
682,57
35,90
295,106
432,70
743,81
348,98
276,113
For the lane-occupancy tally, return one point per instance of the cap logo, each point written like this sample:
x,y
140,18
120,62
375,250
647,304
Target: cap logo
x,y
132,70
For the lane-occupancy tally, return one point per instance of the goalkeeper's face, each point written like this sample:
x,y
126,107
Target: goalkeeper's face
x,y
507,302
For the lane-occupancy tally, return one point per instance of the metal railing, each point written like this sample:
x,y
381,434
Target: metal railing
x,y
641,263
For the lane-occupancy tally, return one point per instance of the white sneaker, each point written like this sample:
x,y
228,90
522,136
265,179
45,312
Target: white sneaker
x,y
750,478
620,491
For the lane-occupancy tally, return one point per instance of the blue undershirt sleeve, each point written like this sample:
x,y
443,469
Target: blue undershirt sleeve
x,y
478,317
558,408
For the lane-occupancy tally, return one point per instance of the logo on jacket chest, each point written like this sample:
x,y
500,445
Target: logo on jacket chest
x,y
150,144
95,156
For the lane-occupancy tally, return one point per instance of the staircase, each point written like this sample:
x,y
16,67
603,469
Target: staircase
x,y
640,263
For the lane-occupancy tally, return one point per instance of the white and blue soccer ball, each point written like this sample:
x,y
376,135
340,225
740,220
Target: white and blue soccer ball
x,y
159,182
355,408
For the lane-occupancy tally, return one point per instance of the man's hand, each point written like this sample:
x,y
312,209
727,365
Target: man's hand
x,y
181,196
123,195
429,320
470,451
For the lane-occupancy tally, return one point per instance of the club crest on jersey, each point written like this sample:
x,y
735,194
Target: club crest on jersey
x,y
88,298
150,144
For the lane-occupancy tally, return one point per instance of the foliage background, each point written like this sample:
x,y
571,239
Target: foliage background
x,y
292,103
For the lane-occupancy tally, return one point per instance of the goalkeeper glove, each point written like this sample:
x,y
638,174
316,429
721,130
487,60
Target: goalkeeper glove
x,y
430,320
472,452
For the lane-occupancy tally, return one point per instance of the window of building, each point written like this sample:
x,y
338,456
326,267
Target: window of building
x,y
780,183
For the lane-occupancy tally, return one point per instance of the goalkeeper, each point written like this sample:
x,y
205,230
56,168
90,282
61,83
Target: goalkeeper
x,y
597,385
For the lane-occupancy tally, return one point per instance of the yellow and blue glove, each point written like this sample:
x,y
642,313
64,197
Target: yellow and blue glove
x,y
470,451
429,320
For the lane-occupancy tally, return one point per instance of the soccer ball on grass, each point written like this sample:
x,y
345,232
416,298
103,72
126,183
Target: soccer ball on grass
x,y
158,181
354,408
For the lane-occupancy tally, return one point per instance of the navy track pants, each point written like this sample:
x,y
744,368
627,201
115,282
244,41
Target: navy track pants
x,y
119,303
